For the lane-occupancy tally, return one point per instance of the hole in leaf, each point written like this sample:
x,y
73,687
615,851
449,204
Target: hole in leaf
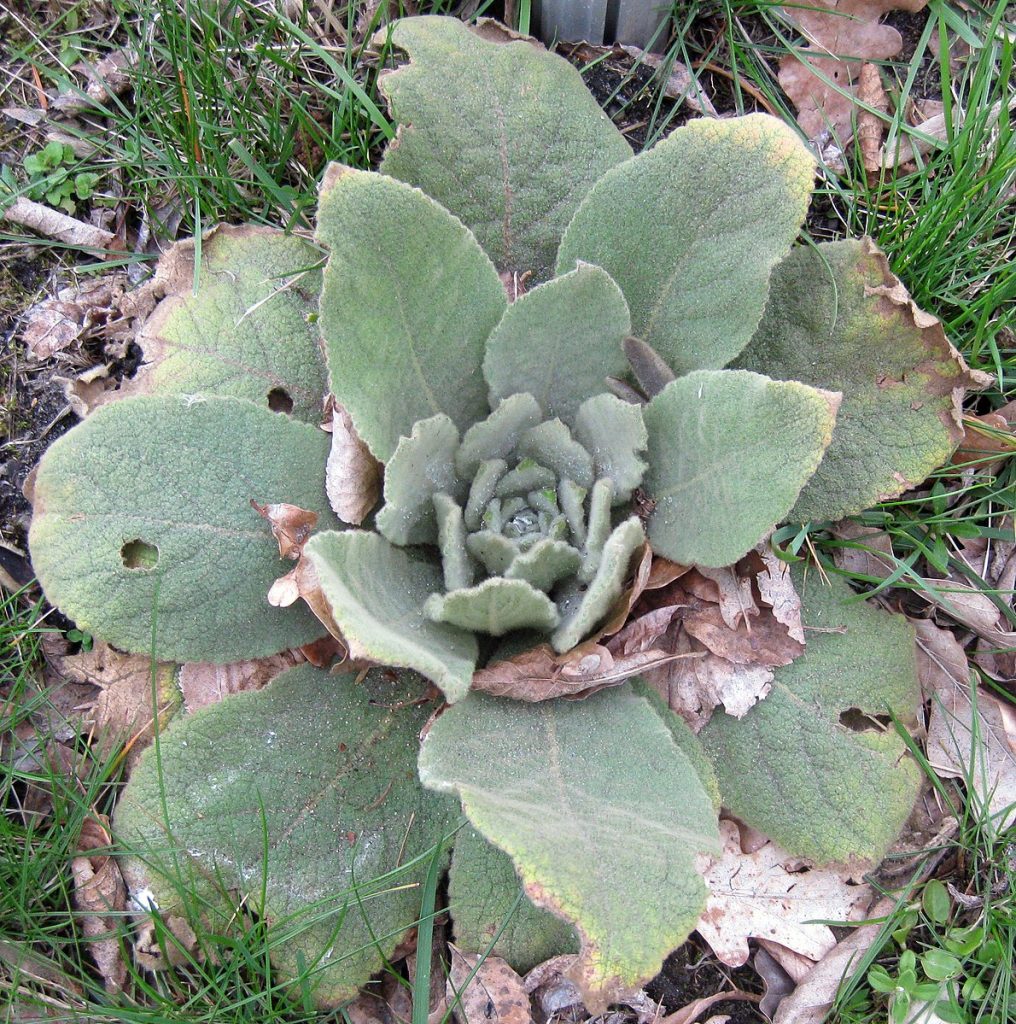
x,y
279,400
857,720
137,554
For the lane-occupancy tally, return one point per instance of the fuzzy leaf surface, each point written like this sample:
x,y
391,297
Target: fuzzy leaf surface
x,y
838,318
256,287
483,893
512,163
791,768
409,299
304,791
728,454
691,231
600,812
377,592
186,491
560,342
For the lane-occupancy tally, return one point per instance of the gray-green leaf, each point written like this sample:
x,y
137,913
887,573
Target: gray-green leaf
x,y
376,592
256,286
298,803
409,300
512,162
560,342
602,822
810,765
729,452
144,533
837,317
691,231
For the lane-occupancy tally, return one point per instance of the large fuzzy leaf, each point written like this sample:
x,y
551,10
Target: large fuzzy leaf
x,y
728,454
810,765
691,231
247,331
409,299
143,523
298,803
501,132
600,812
377,592
560,342
485,900
838,318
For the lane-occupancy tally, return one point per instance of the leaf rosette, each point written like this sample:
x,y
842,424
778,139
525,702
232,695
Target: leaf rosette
x,y
669,341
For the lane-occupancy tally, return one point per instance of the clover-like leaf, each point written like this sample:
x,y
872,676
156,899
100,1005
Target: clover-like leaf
x,y
377,593
837,317
729,452
512,163
560,342
298,802
486,900
409,299
144,533
602,823
256,285
817,765
691,231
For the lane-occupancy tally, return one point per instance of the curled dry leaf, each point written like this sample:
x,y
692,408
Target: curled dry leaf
x,y
971,734
871,119
55,324
821,79
291,526
50,223
541,674
204,683
302,582
495,992
778,981
769,894
810,1001
101,897
698,1006
726,630
352,474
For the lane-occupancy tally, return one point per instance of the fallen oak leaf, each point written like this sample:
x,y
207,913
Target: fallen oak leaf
x,y
821,78
970,732
810,1001
770,894
482,989
204,683
689,1012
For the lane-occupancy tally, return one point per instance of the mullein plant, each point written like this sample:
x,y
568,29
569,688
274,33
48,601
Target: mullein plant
x,y
574,364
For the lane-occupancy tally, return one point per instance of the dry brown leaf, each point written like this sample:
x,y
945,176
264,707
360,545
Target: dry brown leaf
x,y
979,746
969,606
698,1006
101,897
680,83
495,993
542,674
777,980
770,894
56,323
776,588
873,555
50,223
123,709
291,526
203,683
713,664
156,955
352,474
984,437
793,964
302,582
871,126
841,34
810,1001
